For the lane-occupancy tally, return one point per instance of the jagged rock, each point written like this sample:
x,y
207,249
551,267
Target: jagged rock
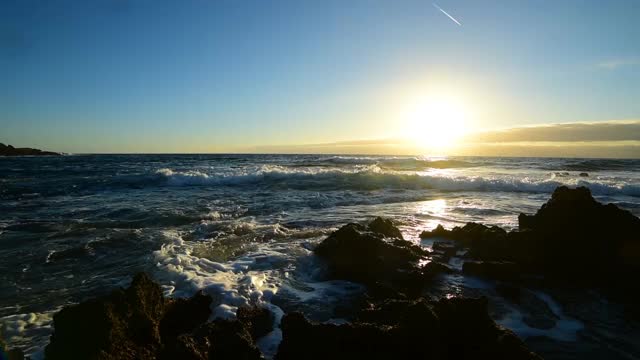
x,y
454,328
385,227
535,311
123,325
183,315
139,323
358,253
354,253
572,236
500,270
258,320
574,231
445,249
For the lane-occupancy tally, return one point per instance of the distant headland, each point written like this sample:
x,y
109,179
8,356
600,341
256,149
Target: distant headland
x,y
8,150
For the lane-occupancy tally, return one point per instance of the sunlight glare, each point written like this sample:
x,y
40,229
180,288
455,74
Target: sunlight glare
x,y
435,122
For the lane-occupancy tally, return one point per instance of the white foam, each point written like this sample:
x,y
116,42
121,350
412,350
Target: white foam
x,y
565,329
29,331
373,177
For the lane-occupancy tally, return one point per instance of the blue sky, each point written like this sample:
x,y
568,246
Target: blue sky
x,y
173,76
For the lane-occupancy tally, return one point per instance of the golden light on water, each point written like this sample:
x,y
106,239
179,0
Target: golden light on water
x,y
435,121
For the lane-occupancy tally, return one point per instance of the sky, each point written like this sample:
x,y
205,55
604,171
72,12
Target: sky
x,y
251,76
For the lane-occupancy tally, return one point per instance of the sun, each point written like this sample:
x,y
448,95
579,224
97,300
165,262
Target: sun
x,y
435,121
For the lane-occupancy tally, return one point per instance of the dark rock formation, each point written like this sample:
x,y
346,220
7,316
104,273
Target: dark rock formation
x,y
375,255
572,236
598,238
259,321
385,227
500,270
8,150
457,328
139,323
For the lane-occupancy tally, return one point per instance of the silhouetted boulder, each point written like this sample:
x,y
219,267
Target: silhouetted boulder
x,y
456,328
573,229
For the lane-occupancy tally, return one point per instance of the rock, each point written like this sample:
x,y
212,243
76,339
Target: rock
x,y
509,292
258,320
439,231
385,227
571,237
584,174
445,249
183,315
121,325
357,253
536,313
500,270
573,232
353,253
139,323
456,328
8,150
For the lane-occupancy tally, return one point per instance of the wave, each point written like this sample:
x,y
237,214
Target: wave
x,y
400,163
373,178
419,164
595,164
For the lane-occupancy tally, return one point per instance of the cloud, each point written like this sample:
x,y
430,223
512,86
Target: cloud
x,y
617,139
628,130
617,63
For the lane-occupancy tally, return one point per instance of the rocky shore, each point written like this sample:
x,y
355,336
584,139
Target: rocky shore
x,y
395,318
8,150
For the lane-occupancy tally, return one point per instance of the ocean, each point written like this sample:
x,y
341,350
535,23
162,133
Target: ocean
x,y
242,227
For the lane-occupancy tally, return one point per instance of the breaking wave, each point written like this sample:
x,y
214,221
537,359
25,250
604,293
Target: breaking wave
x,y
373,178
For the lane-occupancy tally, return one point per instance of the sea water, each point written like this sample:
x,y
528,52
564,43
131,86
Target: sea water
x,y
242,227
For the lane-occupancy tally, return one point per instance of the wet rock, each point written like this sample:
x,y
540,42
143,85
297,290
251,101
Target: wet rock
x,y
445,249
509,291
139,323
386,264
353,252
536,313
575,233
385,227
183,315
258,320
500,270
121,325
455,328
571,237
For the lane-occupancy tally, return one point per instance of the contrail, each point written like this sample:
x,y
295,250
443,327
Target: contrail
x,y
446,13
